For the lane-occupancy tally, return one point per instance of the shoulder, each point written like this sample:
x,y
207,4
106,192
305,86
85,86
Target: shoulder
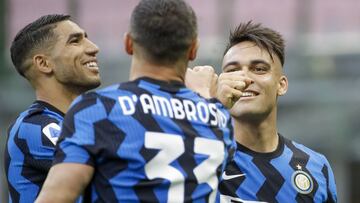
x,y
37,116
99,102
301,149
36,127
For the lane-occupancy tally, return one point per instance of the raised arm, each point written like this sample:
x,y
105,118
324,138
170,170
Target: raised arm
x,y
202,79
230,86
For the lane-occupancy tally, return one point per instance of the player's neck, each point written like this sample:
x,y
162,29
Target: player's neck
x,y
258,136
58,96
140,68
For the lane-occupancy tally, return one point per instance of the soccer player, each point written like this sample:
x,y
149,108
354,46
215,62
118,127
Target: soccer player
x,y
54,54
150,139
267,167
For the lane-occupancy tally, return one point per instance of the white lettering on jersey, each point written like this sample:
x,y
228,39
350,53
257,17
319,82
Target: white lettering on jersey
x,y
127,105
174,108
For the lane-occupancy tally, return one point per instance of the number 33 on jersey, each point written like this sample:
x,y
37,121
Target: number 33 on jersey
x,y
149,141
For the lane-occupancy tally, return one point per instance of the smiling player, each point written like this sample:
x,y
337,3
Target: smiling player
x,y
54,54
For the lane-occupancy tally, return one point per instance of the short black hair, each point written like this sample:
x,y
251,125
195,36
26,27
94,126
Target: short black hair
x,y
37,34
263,37
164,29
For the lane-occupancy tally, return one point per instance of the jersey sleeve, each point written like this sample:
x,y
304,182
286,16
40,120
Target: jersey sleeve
x,y
36,138
331,185
78,135
29,153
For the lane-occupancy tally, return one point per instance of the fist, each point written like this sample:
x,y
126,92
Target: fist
x,y
231,86
202,79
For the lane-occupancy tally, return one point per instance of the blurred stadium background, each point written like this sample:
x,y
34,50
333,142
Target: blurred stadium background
x,y
322,63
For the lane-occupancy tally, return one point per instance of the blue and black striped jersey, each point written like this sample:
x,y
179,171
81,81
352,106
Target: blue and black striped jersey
x,y
292,173
30,150
149,141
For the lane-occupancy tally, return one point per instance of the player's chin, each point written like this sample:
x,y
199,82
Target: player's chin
x,y
93,82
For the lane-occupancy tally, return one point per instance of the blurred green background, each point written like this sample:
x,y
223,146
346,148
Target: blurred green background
x,y
320,110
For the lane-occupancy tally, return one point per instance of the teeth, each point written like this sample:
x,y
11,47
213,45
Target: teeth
x,y
91,64
248,94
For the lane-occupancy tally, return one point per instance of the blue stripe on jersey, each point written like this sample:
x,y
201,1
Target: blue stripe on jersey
x,y
127,150
87,138
83,132
286,192
253,179
315,165
199,190
162,191
34,143
26,188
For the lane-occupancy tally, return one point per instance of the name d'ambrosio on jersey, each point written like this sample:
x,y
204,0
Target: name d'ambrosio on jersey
x,y
173,108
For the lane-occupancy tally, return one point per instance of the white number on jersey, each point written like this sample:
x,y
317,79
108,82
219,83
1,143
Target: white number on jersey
x,y
171,147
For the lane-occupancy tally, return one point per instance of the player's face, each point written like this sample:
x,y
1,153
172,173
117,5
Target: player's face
x,y
74,58
260,98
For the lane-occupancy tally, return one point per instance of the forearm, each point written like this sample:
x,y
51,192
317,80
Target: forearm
x,y
65,183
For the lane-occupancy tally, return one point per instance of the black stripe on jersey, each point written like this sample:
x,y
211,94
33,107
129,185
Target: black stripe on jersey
x,y
172,87
68,127
273,180
108,103
325,172
235,201
35,170
300,157
44,105
229,187
14,194
187,162
107,141
143,192
150,124
39,119
87,100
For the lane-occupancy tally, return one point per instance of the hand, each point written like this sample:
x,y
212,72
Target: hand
x,y
203,80
231,86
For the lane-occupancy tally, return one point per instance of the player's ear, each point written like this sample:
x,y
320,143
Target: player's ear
x,y
283,85
193,49
128,43
42,63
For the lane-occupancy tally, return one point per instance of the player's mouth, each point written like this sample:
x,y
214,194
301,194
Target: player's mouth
x,y
247,94
92,65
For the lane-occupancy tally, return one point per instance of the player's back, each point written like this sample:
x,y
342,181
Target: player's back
x,y
149,141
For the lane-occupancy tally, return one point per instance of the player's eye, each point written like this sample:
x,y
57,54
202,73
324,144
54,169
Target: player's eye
x,y
231,69
74,40
260,68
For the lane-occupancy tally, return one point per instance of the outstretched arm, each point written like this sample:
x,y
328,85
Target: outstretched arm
x,y
65,182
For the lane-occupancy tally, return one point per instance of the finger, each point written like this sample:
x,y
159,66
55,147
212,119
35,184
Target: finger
x,y
239,85
235,75
204,68
196,68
